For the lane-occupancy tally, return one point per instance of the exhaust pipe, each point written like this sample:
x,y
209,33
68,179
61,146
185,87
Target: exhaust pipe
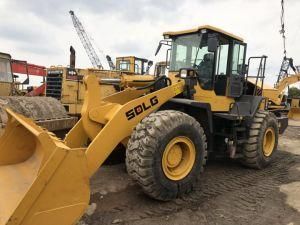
x,y
72,57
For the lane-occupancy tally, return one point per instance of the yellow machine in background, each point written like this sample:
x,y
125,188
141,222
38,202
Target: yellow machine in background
x,y
294,112
6,76
47,112
169,126
274,94
133,65
66,84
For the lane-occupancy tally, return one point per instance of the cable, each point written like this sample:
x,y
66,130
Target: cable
x,y
282,31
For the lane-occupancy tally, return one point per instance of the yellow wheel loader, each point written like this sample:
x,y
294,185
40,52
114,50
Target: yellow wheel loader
x,y
66,83
169,126
47,112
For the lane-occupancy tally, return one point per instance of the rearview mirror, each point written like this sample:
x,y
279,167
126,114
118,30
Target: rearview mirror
x,y
212,44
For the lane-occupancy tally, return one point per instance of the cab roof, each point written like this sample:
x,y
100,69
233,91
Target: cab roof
x,y
127,57
208,27
5,55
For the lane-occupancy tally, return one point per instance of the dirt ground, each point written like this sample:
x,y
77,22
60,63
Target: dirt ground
x,y
227,194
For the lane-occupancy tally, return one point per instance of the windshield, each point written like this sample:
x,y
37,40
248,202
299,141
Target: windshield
x,y
124,65
184,51
191,51
5,71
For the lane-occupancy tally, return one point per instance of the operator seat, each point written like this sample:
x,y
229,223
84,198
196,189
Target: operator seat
x,y
205,70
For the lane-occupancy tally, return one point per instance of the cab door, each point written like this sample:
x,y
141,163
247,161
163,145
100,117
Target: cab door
x,y
236,70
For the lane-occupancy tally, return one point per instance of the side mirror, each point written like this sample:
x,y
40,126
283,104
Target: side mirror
x,y
150,63
212,44
158,48
245,69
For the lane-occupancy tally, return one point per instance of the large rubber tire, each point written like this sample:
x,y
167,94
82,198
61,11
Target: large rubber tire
x,y
253,152
146,148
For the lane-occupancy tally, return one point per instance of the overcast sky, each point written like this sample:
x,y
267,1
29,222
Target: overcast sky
x,y
41,31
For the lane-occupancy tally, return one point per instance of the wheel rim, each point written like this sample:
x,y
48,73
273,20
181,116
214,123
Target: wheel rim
x,y
269,141
178,158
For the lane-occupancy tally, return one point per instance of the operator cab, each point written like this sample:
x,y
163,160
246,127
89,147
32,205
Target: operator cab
x,y
217,57
133,65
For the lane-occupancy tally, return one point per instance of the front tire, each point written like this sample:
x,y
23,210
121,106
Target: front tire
x,y
166,154
261,147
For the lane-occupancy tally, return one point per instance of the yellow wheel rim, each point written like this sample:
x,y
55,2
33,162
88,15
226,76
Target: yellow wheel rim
x,y
178,158
269,141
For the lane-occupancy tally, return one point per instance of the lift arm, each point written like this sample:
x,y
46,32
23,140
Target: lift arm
x,y
39,166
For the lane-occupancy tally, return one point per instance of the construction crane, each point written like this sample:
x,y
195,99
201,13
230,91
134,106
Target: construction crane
x,y
87,44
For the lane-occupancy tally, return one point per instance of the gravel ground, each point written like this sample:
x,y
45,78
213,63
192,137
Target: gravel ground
x,y
227,194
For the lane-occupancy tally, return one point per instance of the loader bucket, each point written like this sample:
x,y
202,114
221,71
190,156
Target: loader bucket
x,y
294,112
42,181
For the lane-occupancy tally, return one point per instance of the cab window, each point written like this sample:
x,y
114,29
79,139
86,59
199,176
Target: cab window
x,y
191,51
184,49
222,59
237,59
124,65
220,80
5,71
138,66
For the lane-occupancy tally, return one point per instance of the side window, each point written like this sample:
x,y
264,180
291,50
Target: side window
x,y
222,58
237,59
124,65
5,71
138,67
181,56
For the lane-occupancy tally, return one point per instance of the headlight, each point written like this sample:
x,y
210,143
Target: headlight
x,y
183,73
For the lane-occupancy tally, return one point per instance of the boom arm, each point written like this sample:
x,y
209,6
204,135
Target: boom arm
x,y
87,44
23,67
275,94
100,119
284,83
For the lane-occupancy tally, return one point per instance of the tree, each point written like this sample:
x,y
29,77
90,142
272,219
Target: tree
x,y
294,92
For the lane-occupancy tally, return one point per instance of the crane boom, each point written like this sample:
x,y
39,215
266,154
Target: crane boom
x,y
87,44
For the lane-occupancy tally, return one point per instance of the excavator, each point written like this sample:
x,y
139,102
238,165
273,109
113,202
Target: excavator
x,y
47,112
276,99
170,127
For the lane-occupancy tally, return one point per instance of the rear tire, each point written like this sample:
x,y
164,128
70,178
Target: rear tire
x,y
166,154
261,147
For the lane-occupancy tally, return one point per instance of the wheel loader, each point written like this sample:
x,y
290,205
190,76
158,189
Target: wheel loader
x,y
66,83
47,112
170,127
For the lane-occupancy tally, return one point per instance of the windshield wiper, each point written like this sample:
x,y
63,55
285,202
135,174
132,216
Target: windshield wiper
x,y
194,64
